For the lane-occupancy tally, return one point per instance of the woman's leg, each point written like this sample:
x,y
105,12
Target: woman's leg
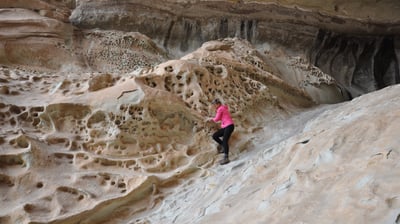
x,y
225,141
216,136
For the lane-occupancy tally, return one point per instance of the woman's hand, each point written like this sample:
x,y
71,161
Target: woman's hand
x,y
208,119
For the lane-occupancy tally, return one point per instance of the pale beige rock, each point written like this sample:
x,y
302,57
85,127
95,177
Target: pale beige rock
x,y
100,127
115,51
182,26
39,42
332,164
89,143
27,38
55,9
75,149
300,73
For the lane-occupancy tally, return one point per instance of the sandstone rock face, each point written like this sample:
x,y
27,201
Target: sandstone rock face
x,y
139,150
55,9
110,51
27,38
103,107
345,39
359,64
37,34
184,24
82,147
339,166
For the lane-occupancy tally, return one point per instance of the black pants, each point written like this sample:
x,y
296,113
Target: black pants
x,y
225,133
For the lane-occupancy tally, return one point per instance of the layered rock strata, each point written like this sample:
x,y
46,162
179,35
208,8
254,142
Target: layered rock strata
x,y
99,127
27,38
360,64
346,39
181,24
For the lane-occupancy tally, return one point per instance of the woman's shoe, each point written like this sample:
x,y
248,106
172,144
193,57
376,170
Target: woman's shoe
x,y
224,161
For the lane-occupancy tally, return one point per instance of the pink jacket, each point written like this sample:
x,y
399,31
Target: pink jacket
x,y
224,116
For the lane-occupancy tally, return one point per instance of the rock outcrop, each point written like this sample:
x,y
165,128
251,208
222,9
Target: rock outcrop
x,y
350,42
103,107
27,38
106,148
346,39
119,138
37,35
184,25
359,64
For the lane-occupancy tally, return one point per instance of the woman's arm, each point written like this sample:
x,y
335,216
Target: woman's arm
x,y
218,116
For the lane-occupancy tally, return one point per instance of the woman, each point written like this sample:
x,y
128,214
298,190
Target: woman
x,y
227,127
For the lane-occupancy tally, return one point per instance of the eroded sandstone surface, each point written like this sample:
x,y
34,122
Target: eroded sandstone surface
x,y
115,135
355,42
103,107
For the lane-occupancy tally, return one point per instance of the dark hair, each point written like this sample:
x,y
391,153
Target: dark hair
x,y
216,101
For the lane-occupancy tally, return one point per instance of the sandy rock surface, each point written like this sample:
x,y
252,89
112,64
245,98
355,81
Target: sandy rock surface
x,y
103,109
109,148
